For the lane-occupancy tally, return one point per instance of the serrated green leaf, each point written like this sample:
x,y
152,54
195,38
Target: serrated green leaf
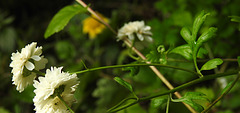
x,y
205,37
124,83
61,19
184,50
211,64
153,56
198,22
186,34
158,55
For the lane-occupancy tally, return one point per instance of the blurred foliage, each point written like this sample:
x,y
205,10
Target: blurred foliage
x,y
22,22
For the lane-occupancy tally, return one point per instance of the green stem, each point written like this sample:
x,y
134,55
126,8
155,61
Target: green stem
x,y
135,95
59,96
168,102
197,69
220,97
195,62
130,50
200,60
132,56
84,65
177,100
181,87
120,103
133,65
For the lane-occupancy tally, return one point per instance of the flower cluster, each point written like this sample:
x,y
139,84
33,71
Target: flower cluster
x,y
54,84
137,28
54,91
23,65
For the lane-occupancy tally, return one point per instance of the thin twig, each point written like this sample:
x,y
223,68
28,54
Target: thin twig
x,y
154,69
95,14
159,74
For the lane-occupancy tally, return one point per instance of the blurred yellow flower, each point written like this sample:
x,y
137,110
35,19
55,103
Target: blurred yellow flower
x,y
92,26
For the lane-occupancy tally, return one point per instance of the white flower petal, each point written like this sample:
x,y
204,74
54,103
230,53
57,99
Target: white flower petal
x,y
36,58
147,28
29,65
131,37
140,36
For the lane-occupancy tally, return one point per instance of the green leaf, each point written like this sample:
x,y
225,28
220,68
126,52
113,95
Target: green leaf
x,y
3,110
158,102
61,19
227,87
205,37
153,56
198,22
195,96
124,83
211,64
202,52
235,18
184,50
189,98
194,105
209,92
186,34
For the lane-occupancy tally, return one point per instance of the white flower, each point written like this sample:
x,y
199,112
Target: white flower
x,y
55,82
23,63
135,28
